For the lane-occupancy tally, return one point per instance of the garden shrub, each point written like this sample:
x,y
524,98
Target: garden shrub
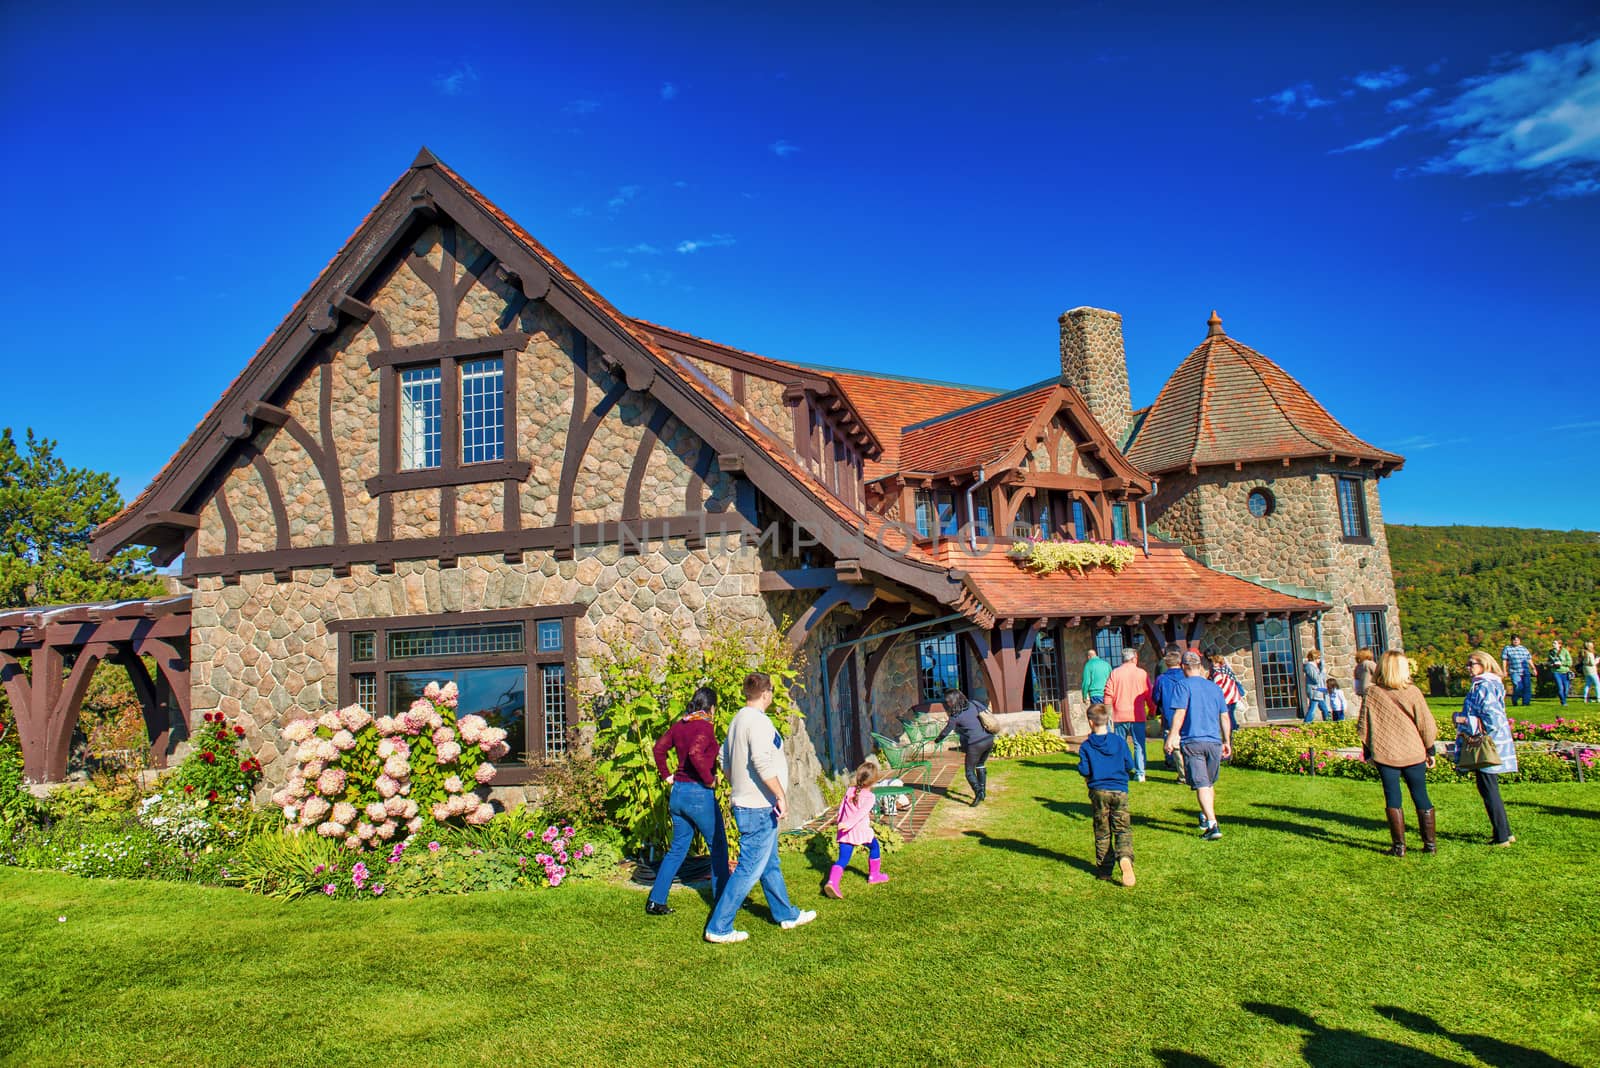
x,y
218,767
1034,743
823,842
1299,749
358,780
1049,718
640,697
17,805
96,850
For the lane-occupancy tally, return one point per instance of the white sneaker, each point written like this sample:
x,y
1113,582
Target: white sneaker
x,y
805,917
731,936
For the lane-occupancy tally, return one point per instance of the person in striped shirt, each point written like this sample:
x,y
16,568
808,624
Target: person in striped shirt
x,y
1520,670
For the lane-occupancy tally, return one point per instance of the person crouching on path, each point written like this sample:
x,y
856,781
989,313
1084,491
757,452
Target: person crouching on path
x,y
693,801
1397,733
1200,730
1104,762
1128,694
758,775
976,741
855,828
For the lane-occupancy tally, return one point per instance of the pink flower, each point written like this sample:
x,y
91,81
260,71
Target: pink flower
x,y
344,812
376,812
354,717
330,890
410,811
471,727
449,753
319,869
491,736
314,809
441,812
298,730
331,782
567,832
397,767
311,770
555,880
332,829
377,891
485,773
449,695
452,785
433,847
365,831
395,806
431,691
327,752
481,815
330,720
413,722
496,750
386,831
443,734
588,849
386,725
414,824
386,786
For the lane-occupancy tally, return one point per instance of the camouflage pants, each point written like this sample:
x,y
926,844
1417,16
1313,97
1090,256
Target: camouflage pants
x,y
1111,818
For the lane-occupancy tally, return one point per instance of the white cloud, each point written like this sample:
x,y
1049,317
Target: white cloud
x,y
622,196
696,244
1296,100
457,82
669,91
643,249
1539,114
583,106
782,148
1409,101
1377,81
1372,142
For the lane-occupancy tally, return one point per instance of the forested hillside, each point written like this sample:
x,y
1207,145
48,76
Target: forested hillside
x,y
1467,587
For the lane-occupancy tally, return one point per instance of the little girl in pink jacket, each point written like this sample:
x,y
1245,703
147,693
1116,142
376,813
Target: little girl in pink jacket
x,y
855,828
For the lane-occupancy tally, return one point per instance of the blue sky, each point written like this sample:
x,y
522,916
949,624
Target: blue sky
x,y
1401,208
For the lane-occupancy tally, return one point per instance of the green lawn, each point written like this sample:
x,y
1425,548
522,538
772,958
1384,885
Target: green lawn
x,y
1292,940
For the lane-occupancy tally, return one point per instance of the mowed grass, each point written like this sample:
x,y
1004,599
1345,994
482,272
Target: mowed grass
x,y
1292,940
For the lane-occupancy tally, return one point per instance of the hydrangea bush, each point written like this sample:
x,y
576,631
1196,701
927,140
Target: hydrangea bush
x,y
360,780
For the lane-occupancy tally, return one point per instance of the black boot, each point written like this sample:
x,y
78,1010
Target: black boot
x,y
983,783
1397,831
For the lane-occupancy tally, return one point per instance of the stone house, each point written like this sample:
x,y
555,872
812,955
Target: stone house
x,y
455,459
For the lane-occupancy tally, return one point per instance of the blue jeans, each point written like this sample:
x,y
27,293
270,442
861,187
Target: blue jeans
x,y
1522,688
694,808
758,860
1563,685
1133,734
1591,684
1314,705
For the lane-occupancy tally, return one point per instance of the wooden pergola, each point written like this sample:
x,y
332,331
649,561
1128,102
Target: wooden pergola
x,y
64,644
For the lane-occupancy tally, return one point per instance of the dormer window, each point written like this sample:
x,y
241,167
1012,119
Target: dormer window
x,y
936,511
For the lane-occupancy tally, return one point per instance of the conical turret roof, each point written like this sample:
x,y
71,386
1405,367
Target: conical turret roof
x,y
1228,404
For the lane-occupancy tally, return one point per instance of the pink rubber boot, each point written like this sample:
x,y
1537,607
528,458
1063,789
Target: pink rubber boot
x,y
835,873
875,872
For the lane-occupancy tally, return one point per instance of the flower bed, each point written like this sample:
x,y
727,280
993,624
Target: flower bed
x,y
1307,749
1042,556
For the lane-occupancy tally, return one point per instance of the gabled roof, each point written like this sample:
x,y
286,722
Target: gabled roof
x,y
999,434
1165,582
889,403
1227,403
164,513
976,435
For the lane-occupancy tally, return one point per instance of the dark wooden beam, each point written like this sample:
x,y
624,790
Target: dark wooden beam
x,y
450,349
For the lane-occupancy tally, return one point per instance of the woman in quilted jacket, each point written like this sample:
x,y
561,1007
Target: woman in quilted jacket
x,y
1484,712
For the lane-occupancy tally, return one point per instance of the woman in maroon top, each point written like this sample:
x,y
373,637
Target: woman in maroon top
x,y
694,799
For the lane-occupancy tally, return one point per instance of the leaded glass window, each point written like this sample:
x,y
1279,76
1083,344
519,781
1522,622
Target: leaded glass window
x,y
421,418
483,413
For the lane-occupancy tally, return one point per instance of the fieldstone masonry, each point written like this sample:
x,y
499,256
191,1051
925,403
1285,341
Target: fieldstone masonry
x,y
1093,362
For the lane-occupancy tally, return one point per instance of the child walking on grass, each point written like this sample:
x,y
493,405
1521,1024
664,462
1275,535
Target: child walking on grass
x,y
855,828
1105,762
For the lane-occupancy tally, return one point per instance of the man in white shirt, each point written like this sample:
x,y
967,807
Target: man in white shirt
x,y
758,777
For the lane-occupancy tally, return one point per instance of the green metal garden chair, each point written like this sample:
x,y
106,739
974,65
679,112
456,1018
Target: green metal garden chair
x,y
901,759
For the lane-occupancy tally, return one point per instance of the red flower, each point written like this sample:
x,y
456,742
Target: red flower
x,y
244,765
238,730
188,789
209,757
212,796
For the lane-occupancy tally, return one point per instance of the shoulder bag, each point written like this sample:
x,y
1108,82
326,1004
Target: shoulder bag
x,y
988,720
1477,751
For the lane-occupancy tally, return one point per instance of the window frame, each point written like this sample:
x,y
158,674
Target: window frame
x,y
961,666
513,770
1110,651
1055,673
1381,612
1359,498
448,357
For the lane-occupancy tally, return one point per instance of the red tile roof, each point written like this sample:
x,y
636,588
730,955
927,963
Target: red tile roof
x,y
1166,581
889,404
979,434
1227,403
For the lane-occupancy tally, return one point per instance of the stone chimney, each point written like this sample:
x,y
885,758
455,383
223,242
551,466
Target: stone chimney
x,y
1093,362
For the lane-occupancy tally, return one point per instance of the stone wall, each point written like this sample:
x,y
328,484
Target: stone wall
x,y
1299,543
1093,361
262,650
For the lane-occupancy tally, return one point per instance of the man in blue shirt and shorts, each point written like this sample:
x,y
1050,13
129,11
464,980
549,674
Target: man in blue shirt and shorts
x,y
1199,728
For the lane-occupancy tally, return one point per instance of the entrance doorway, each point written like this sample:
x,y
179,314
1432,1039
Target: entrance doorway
x,y
1276,662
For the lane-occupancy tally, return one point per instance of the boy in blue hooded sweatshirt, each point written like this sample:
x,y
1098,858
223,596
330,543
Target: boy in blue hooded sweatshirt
x,y
1105,762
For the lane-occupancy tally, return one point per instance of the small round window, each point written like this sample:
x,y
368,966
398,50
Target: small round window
x,y
1262,503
